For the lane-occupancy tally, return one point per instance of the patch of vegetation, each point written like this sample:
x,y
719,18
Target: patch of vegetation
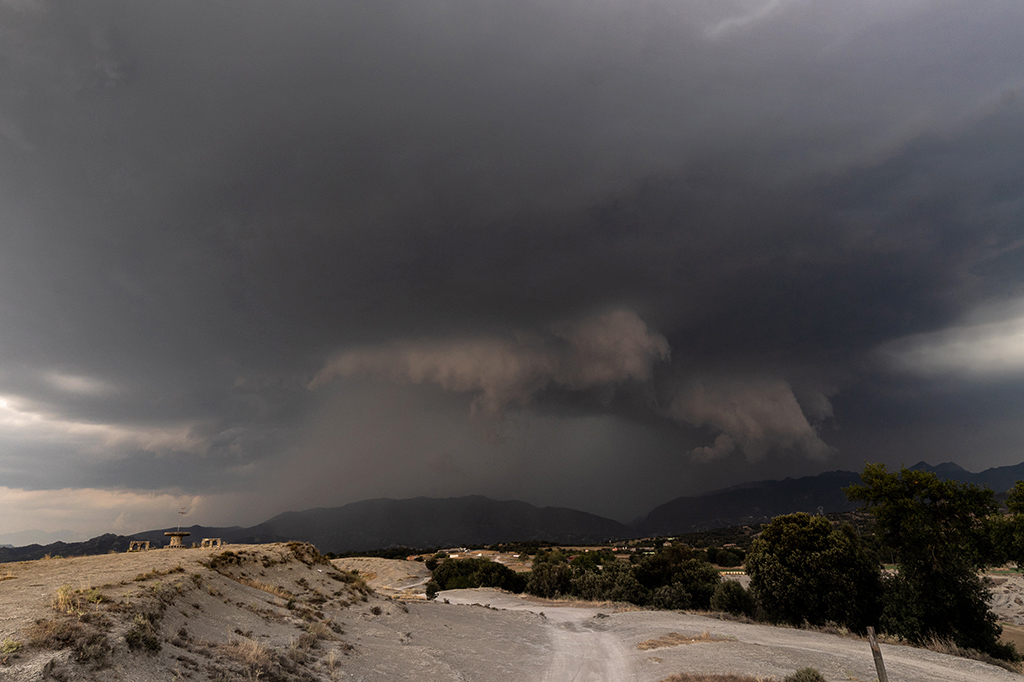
x,y
712,677
731,597
89,645
307,553
9,649
803,569
223,560
143,636
453,574
676,639
356,582
941,535
670,577
805,675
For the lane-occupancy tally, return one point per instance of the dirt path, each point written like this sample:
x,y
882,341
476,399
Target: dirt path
x,y
586,656
591,643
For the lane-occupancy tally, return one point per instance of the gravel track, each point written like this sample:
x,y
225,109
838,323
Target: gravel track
x,y
591,643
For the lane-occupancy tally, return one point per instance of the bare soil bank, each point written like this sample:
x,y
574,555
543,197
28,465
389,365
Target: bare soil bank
x,y
276,612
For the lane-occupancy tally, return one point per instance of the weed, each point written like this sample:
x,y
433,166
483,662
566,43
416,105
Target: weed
x,y
307,553
93,649
308,641
89,645
265,587
9,649
805,675
65,601
143,637
675,639
54,634
711,677
376,610
94,596
320,630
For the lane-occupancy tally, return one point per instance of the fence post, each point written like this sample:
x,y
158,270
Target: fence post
x,y
877,653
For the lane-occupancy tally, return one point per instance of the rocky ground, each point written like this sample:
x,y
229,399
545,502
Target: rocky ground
x,y
280,612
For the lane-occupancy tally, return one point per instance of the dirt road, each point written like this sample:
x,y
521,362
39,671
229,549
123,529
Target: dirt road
x,y
587,644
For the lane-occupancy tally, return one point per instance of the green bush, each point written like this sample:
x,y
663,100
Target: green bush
x,y
672,597
550,580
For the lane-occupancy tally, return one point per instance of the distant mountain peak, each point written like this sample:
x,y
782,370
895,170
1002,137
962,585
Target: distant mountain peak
x,y
946,468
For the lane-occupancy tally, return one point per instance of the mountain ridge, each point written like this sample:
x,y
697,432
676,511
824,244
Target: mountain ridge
x,y
425,522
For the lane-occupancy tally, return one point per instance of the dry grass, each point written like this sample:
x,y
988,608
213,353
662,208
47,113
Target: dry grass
x,y
712,677
944,646
249,653
675,639
66,600
271,589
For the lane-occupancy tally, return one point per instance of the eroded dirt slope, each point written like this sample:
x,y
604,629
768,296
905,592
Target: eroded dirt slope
x,y
281,612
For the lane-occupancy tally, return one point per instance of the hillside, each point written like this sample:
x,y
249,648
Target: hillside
x,y
430,522
280,612
760,501
751,503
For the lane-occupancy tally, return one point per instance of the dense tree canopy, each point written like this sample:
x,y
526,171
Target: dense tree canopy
x,y
802,569
453,574
940,533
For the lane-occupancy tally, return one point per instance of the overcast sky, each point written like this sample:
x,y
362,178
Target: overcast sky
x,y
260,256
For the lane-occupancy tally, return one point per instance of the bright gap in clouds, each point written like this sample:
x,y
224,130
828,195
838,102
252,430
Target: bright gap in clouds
x,y
984,349
83,510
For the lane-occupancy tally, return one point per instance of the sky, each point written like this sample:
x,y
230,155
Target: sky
x,y
268,256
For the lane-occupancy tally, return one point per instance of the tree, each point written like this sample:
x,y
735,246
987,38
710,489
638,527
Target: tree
x,y
802,569
549,579
454,574
679,566
1008,532
731,597
940,532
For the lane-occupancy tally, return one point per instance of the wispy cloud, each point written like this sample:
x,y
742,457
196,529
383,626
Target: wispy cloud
x,y
603,350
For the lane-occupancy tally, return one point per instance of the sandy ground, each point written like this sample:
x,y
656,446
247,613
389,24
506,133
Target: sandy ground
x,y
272,612
588,643
406,579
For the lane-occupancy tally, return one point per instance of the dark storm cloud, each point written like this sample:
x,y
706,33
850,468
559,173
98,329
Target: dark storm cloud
x,y
204,207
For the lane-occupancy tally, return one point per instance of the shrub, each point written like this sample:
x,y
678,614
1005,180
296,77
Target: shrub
x,y
453,574
679,565
805,675
550,580
731,597
9,649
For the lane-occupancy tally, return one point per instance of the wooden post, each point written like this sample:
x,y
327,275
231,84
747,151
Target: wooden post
x,y
877,653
